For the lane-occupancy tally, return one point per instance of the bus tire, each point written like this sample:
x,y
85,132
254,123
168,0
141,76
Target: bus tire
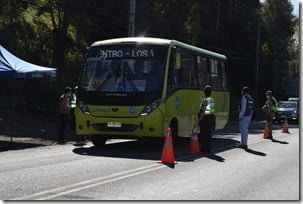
x,y
174,130
98,141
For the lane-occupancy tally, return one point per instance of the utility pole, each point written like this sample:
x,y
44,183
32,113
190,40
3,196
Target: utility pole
x,y
218,17
132,15
257,60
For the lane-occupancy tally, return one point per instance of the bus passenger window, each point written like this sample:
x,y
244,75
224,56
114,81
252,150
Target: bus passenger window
x,y
215,75
173,74
188,70
224,76
203,73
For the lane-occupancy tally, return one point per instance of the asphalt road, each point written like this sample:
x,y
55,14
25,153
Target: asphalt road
x,y
128,170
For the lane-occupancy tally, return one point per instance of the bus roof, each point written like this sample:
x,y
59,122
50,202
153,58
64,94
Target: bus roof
x,y
158,41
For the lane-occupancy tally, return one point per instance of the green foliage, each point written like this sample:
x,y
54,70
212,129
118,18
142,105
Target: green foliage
x,y
56,33
278,25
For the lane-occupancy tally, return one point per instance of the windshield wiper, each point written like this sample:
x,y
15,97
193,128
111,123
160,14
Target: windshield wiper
x,y
128,75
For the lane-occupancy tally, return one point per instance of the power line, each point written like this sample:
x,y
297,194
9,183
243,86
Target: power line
x,y
94,13
239,10
245,7
99,12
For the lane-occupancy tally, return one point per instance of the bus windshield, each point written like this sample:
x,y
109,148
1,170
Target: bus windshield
x,y
124,70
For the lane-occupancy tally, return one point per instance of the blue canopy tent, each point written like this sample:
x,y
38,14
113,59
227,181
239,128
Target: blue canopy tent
x,y
14,67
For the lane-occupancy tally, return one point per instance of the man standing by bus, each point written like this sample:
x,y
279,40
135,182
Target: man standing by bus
x,y
64,111
246,110
207,120
270,109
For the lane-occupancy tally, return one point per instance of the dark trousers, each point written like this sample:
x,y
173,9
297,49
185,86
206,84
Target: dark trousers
x,y
63,124
72,119
207,125
269,120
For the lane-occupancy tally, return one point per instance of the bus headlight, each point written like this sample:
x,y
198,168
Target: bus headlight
x,y
151,107
148,109
84,108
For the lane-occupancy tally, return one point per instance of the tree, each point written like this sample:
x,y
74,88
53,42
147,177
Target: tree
x,y
278,25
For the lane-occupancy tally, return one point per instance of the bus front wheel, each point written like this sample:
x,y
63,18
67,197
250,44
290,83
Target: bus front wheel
x,y
98,141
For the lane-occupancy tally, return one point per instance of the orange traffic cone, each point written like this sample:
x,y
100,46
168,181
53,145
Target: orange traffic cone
x,y
266,132
194,147
285,126
167,156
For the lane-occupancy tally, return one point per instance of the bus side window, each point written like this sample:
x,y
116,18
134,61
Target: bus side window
x,y
203,73
224,76
188,77
215,75
173,72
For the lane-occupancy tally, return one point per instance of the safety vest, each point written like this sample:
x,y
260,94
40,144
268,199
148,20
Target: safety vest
x,y
208,106
249,105
73,102
274,103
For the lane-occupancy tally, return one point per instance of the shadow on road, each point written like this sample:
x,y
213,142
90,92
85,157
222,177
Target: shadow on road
x,y
278,141
216,157
6,145
152,149
248,150
254,128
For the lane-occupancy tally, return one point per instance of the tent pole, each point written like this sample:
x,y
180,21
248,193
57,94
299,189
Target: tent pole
x,y
13,108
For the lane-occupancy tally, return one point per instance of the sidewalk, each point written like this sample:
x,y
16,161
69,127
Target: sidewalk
x,y
21,132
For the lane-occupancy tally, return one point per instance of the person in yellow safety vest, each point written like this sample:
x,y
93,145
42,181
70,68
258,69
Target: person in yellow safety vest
x,y
80,139
73,104
207,120
270,110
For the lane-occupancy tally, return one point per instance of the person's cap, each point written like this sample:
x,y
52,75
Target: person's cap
x,y
207,87
245,89
67,89
268,93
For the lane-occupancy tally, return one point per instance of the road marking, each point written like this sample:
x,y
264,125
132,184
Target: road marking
x,y
89,183
56,192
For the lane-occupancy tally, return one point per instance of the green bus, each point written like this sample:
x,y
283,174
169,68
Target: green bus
x,y
138,87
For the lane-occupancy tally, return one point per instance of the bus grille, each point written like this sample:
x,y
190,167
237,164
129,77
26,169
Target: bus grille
x,y
124,128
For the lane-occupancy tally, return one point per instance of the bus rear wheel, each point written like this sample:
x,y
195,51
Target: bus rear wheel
x,y
98,141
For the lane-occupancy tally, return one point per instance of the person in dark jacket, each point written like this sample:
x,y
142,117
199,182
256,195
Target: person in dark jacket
x,y
245,114
64,111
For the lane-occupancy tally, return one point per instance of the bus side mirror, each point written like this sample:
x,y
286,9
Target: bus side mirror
x,y
177,64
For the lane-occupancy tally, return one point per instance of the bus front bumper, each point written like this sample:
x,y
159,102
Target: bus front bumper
x,y
142,126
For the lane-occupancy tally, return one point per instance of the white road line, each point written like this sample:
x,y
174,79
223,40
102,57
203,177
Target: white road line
x,y
56,192
87,182
100,183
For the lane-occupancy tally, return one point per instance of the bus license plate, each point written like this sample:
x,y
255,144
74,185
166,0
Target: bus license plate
x,y
114,124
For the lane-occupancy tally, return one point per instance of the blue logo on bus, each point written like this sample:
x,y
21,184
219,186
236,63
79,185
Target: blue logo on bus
x,y
177,102
132,110
122,87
